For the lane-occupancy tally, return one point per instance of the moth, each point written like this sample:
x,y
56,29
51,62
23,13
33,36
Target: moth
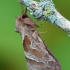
x,y
38,56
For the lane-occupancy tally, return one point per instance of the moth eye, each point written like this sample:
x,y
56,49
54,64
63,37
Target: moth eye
x,y
24,16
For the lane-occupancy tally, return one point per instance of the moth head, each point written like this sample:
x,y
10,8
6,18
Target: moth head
x,y
20,21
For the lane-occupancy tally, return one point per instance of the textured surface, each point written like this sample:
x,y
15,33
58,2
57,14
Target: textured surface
x,y
46,10
38,56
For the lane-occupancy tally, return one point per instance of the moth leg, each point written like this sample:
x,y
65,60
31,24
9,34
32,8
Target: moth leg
x,y
35,34
42,32
38,26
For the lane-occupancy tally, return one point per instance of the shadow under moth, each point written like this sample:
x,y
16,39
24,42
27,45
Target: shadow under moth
x,y
38,56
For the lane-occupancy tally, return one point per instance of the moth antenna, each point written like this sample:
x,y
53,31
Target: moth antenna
x,y
22,9
22,12
25,10
21,5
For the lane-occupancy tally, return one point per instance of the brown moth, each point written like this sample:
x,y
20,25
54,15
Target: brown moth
x,y
38,56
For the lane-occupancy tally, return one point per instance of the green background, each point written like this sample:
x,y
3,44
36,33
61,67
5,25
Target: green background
x,y
11,49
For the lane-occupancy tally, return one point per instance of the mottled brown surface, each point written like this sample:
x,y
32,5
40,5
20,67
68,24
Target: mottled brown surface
x,y
36,53
35,62
51,63
29,22
48,68
26,43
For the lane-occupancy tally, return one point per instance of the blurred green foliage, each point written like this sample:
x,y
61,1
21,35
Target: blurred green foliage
x,y
11,49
